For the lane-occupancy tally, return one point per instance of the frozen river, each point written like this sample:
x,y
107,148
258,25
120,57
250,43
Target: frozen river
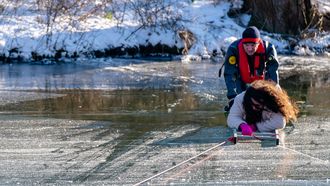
x,y
169,87
117,122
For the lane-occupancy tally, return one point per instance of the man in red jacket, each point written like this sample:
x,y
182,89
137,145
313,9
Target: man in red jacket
x,y
249,59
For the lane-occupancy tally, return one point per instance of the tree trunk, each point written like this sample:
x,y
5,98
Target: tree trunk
x,y
284,16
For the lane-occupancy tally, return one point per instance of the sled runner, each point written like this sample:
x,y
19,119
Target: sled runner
x,y
256,135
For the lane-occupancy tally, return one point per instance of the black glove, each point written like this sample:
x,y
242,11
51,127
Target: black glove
x,y
228,106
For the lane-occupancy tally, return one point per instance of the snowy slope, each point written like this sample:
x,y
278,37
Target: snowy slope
x,y
23,31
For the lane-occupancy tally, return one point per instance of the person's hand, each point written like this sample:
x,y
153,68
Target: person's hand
x,y
253,127
246,129
231,102
228,106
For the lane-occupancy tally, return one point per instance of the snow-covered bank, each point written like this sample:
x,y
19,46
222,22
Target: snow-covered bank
x,y
24,33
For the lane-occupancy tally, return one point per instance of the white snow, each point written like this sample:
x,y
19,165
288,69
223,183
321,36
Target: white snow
x,y
24,28
323,6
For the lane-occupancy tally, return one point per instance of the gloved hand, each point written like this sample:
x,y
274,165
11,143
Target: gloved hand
x,y
246,129
230,103
253,127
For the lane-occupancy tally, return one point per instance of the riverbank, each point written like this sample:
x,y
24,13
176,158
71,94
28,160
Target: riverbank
x,y
33,31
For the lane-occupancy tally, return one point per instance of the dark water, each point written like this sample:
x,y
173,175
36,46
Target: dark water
x,y
311,91
140,95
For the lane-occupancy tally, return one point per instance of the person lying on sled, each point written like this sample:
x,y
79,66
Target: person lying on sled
x,y
263,107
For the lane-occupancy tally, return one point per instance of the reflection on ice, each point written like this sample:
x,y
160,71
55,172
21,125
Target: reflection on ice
x,y
198,79
107,76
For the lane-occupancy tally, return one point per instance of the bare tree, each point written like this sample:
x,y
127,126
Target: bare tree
x,y
148,13
284,16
